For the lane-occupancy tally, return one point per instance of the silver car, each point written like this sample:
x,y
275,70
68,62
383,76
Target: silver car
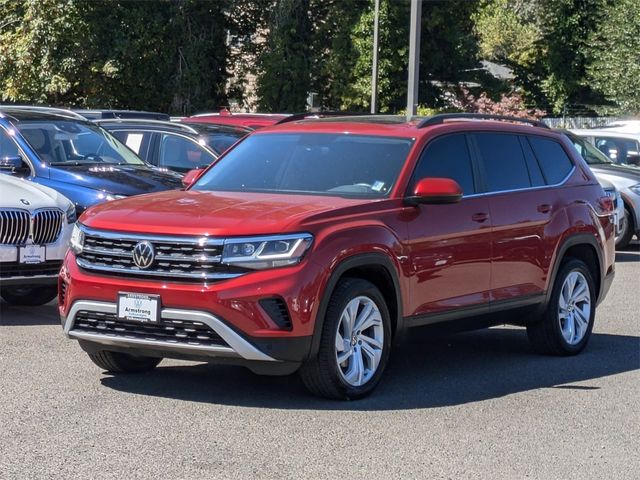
x,y
624,177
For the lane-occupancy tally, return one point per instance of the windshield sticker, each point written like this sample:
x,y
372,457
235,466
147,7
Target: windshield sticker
x,y
377,186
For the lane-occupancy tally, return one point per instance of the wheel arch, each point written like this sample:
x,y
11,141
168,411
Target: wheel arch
x,y
376,268
584,247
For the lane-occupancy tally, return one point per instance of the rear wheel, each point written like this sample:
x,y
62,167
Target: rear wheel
x,y
355,343
567,323
31,296
116,362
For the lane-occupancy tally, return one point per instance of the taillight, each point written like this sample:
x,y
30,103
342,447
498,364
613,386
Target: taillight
x,y
606,204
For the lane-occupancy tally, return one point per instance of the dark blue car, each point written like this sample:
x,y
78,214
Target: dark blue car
x,y
75,157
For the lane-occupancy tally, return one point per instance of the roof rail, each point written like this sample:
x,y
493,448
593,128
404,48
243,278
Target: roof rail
x,y
443,117
45,109
115,121
301,116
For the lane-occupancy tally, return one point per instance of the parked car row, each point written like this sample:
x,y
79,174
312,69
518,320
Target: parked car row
x,y
309,245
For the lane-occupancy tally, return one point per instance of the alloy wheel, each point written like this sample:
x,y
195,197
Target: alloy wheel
x,y
359,341
574,308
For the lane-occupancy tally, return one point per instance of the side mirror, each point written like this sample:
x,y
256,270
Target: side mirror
x,y
191,176
435,191
11,163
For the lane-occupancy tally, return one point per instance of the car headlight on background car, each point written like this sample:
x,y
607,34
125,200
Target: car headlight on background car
x,y
110,196
71,214
266,252
77,240
635,188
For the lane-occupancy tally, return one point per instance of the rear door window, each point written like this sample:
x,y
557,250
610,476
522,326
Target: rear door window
x,y
505,167
553,160
446,157
139,142
182,154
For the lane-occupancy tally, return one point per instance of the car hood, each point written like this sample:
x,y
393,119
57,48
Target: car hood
x,y
117,179
621,177
216,213
21,193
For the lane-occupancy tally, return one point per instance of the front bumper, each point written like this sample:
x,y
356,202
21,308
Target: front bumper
x,y
233,346
46,273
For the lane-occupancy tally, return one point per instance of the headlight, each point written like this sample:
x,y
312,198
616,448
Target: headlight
x,y
71,214
635,188
109,196
266,252
77,240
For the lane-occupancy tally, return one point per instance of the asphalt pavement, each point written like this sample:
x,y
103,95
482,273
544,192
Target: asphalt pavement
x,y
476,405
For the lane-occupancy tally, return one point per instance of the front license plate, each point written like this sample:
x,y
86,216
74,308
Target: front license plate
x,y
139,307
33,254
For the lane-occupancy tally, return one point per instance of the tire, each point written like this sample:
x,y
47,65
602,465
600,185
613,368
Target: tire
x,y
623,240
30,296
358,374
116,362
554,333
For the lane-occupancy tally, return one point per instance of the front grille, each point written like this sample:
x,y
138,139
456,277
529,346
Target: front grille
x,y
14,226
15,269
178,332
44,225
47,225
181,258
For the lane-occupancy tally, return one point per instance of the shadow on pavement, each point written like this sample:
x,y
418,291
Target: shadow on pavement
x,y
423,373
15,316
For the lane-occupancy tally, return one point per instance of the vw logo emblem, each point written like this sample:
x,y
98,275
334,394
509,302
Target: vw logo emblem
x,y
143,254
25,202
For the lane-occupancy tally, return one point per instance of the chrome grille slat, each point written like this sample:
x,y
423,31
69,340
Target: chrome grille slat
x,y
14,226
47,225
180,258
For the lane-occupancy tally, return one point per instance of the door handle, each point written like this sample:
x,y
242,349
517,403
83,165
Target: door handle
x,y
479,217
544,208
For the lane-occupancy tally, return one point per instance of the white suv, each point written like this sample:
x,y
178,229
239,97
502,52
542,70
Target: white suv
x,y
35,226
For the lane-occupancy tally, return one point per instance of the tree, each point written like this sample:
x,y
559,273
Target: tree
x,y
168,56
285,66
614,67
545,43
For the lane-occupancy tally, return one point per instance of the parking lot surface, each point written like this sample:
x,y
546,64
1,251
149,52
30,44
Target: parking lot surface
x,y
476,405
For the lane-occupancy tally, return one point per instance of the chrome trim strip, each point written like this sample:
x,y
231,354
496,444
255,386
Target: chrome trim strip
x,y
113,235
238,346
180,258
154,273
515,190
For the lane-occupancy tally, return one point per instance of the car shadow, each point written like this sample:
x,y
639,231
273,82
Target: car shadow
x,y
15,316
423,373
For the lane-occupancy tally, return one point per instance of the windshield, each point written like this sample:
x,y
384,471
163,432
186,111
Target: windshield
x,y
589,152
310,163
69,142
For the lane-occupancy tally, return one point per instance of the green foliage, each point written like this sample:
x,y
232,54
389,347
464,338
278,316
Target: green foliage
x,y
167,55
546,43
614,67
285,73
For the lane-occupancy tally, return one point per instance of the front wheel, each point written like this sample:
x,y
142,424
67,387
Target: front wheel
x,y
31,296
626,232
567,323
354,345
116,362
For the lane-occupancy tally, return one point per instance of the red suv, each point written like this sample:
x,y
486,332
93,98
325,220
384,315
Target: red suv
x,y
311,245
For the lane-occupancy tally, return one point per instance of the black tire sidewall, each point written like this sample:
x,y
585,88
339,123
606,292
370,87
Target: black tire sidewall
x,y
32,296
552,310
357,288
